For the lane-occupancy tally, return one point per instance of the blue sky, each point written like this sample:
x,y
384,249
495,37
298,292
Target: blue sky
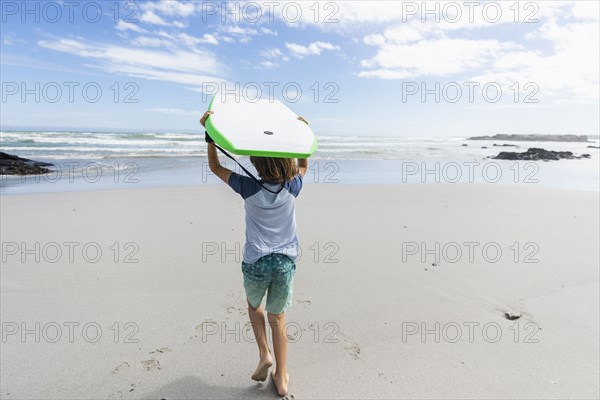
x,y
351,68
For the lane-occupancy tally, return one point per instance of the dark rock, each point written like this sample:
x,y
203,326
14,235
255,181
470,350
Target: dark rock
x,y
465,145
13,165
505,145
535,154
512,315
593,147
483,147
534,138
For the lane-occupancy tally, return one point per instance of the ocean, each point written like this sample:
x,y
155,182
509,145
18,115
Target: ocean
x,y
99,160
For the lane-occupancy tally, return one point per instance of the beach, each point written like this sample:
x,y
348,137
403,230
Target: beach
x,y
439,166
402,291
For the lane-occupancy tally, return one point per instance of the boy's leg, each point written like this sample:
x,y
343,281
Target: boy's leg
x,y
279,298
280,375
256,282
257,320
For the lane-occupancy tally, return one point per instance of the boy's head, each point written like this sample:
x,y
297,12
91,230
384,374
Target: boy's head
x,y
278,170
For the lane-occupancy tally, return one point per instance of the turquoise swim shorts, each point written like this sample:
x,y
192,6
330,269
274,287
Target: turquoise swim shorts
x,y
273,274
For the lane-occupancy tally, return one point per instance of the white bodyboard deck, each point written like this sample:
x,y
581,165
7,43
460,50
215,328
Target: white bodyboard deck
x,y
264,128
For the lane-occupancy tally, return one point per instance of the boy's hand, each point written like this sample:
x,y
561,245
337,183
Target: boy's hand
x,y
205,117
303,120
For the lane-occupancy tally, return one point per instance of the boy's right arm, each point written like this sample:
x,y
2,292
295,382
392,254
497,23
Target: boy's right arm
x,y
302,166
303,162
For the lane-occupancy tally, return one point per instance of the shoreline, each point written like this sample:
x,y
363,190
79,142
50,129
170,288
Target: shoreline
x,y
77,175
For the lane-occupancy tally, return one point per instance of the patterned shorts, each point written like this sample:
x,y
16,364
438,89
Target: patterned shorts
x,y
272,274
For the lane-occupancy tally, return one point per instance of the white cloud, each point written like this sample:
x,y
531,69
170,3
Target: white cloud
x,y
341,16
408,33
374,39
559,52
274,53
569,74
432,58
268,31
151,18
166,35
123,26
171,40
269,64
207,38
170,8
12,39
589,10
315,48
190,68
244,34
352,17
150,42
238,30
360,17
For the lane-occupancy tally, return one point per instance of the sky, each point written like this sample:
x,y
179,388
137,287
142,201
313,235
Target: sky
x,y
393,68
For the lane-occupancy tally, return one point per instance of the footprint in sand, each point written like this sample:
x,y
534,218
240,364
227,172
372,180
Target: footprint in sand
x,y
151,365
353,350
119,393
236,310
161,350
120,367
350,347
132,387
305,302
200,328
292,336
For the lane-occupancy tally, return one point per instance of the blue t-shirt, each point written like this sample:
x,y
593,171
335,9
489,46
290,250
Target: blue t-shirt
x,y
270,217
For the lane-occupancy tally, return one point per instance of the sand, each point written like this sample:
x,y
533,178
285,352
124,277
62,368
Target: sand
x,y
173,323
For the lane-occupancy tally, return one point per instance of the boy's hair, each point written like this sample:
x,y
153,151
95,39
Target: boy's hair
x,y
278,170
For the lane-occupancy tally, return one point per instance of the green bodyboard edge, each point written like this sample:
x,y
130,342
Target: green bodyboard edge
x,y
227,145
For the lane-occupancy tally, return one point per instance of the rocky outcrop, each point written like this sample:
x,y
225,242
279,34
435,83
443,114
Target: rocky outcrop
x,y
535,154
534,138
13,165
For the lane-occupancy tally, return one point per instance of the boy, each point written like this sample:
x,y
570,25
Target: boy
x,y
270,251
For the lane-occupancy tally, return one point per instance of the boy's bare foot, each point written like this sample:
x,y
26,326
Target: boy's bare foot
x,y
281,384
263,369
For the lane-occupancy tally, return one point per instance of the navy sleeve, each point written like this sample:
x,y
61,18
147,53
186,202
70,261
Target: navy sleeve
x,y
243,185
295,185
